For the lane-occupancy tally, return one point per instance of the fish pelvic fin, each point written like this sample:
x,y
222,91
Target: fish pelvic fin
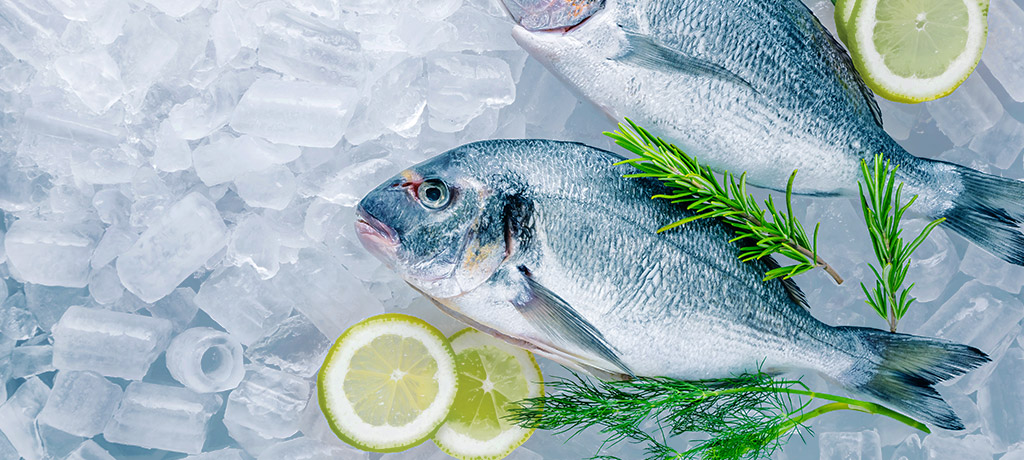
x,y
901,370
553,316
989,212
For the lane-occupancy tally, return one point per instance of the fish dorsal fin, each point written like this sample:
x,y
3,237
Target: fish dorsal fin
x,y
794,291
647,53
551,315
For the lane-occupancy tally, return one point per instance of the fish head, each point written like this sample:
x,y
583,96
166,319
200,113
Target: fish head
x,y
551,14
436,225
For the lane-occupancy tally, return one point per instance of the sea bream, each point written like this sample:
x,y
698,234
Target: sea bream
x,y
755,86
545,245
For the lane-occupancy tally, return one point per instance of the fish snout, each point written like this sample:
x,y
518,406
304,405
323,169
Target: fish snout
x,y
549,15
376,236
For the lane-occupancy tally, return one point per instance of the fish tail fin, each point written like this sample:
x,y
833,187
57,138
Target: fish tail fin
x,y
901,370
989,211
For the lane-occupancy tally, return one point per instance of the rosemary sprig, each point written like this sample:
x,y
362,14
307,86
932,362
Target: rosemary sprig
x,y
882,213
745,417
699,189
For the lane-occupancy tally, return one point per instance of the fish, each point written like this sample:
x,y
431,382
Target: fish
x,y
755,86
545,245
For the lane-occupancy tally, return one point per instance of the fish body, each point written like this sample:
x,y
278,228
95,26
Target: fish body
x,y
544,244
759,86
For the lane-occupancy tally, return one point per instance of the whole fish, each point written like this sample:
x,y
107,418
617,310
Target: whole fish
x,y
755,86
545,245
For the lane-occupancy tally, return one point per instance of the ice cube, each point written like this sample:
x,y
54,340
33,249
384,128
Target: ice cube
x,y
111,343
253,442
303,448
177,307
105,165
142,52
176,8
942,446
311,49
48,304
205,360
172,152
1001,144
1004,56
862,445
934,262
81,403
255,244
226,453
89,450
1015,452
295,113
105,286
268,401
271,188
478,31
971,109
976,315
910,449
17,418
398,99
80,10
31,30
1001,400
51,253
991,270
297,347
462,86
425,451
200,116
242,304
93,76
111,206
162,417
227,157
171,249
353,182
116,240
326,293
27,361
16,321
6,449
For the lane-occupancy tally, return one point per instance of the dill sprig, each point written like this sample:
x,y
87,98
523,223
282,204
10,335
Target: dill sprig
x,y
761,232
744,417
882,213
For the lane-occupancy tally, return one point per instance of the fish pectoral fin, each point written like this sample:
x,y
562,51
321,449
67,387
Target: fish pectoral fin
x,y
647,53
552,315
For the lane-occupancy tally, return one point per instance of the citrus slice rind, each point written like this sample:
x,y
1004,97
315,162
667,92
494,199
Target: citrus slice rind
x,y
844,9
892,45
388,383
515,376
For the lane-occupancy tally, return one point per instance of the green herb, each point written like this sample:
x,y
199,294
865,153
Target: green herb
x,y
698,188
745,417
882,213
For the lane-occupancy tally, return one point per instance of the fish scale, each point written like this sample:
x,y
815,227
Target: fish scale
x,y
578,273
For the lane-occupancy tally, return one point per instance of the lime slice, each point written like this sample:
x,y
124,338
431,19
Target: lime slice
x,y
492,374
387,383
916,50
844,9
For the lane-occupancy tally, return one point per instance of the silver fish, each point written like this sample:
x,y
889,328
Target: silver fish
x,y
756,86
545,245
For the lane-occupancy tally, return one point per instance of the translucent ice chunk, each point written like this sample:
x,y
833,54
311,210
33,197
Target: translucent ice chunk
x,y
205,360
116,240
976,315
16,321
112,207
110,343
227,158
1001,400
105,165
268,402
271,188
30,30
81,403
51,253
89,450
940,445
176,8
162,417
93,76
142,52
353,182
172,152
105,286
971,109
27,361
295,113
256,244
1002,143
934,263
303,448
297,347
17,418
242,304
299,45
48,304
991,270
1004,56
910,449
177,307
462,86
223,454
169,251
862,445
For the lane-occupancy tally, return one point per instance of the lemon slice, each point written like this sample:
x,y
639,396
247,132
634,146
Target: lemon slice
x,y
844,9
916,50
492,374
387,383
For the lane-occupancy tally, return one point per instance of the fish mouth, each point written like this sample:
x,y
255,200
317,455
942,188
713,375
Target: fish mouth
x,y
556,30
375,235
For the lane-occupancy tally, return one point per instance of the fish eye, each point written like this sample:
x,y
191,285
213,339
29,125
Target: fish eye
x,y
433,194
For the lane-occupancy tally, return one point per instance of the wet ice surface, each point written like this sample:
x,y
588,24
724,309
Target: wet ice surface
x,y
177,180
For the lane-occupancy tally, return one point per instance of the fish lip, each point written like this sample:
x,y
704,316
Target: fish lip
x,y
556,30
374,233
